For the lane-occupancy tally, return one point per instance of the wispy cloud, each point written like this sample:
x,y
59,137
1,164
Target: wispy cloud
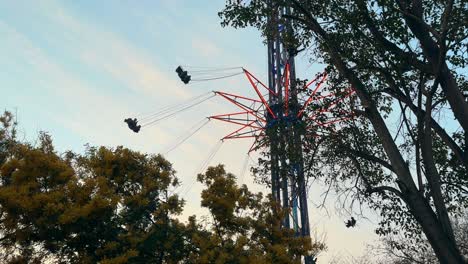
x,y
107,52
85,110
205,47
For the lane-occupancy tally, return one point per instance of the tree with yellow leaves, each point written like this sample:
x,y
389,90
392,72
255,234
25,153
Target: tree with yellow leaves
x,y
107,205
245,227
115,205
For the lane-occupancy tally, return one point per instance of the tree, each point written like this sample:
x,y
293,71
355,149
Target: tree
x,y
245,227
405,60
394,247
115,205
107,205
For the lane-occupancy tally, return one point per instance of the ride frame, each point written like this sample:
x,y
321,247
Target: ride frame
x,y
281,126
284,132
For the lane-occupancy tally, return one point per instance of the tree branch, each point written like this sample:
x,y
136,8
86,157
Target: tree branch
x,y
387,189
432,174
388,45
458,152
435,55
371,158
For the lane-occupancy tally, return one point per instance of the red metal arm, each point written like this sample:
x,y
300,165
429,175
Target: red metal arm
x,y
253,147
286,89
336,102
233,114
234,122
311,82
258,93
256,79
238,96
253,144
241,106
312,95
243,127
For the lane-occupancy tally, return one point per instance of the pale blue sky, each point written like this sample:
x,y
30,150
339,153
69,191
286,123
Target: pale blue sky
x,y
78,68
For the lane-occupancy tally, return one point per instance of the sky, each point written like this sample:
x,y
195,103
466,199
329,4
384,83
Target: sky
x,y
76,69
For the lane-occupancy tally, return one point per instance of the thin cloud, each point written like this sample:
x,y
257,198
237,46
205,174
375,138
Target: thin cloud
x,y
107,52
205,47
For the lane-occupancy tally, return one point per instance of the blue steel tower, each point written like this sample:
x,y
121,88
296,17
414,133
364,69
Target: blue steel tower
x,y
284,132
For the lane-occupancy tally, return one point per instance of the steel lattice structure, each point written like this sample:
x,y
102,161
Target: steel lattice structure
x,y
277,118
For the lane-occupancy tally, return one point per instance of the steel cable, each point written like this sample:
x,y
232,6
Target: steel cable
x,y
194,129
166,109
205,163
216,78
170,114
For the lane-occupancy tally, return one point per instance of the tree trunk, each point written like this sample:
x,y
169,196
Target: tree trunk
x,y
445,250
436,57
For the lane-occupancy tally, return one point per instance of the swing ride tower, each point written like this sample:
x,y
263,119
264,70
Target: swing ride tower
x,y
276,120
285,127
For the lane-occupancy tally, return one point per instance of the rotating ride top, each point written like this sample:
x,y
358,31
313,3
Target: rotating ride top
x,y
277,119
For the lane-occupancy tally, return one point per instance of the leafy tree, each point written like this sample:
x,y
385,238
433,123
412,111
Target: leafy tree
x,y
107,205
114,205
245,227
393,248
407,61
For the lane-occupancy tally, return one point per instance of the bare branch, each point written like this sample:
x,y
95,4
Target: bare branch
x,y
371,158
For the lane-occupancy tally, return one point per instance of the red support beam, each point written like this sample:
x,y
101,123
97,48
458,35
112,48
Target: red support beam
x,y
241,106
233,114
243,127
312,95
259,94
256,79
237,123
253,147
244,134
335,103
238,96
314,80
286,89
341,99
331,94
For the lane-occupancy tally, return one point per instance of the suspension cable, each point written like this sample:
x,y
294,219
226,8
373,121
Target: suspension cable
x,y
244,168
168,108
194,129
170,114
205,163
189,74
210,157
217,78
211,68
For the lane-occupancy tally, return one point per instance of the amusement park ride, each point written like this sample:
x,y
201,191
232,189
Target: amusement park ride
x,y
276,119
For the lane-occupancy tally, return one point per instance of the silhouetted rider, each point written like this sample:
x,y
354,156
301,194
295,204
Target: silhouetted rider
x,y
133,124
351,222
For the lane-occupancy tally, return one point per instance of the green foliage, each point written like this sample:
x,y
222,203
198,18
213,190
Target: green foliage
x,y
115,205
246,227
407,61
107,205
394,249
